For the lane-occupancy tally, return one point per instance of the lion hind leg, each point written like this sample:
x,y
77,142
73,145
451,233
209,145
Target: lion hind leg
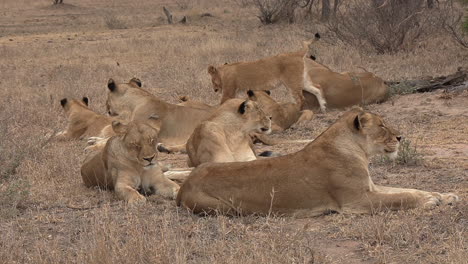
x,y
182,148
315,90
306,115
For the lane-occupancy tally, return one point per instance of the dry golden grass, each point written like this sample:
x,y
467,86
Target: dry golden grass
x,y
48,216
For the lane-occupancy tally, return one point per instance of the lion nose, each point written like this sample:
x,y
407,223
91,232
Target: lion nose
x,y
398,138
149,159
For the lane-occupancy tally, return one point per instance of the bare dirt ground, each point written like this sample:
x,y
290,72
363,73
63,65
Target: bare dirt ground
x,y
48,216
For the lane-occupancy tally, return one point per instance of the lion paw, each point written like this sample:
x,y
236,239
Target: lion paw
x,y
136,199
449,198
434,199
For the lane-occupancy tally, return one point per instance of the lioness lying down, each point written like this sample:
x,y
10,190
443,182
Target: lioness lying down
x,y
340,90
264,74
224,137
82,121
329,174
127,163
283,115
176,123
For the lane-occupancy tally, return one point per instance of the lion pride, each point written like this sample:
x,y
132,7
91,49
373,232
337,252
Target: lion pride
x,y
329,174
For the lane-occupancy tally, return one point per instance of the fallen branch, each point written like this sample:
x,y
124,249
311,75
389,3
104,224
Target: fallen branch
x,y
168,15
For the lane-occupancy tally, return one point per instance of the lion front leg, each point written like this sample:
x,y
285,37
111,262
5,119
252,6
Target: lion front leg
x,y
125,189
388,198
154,181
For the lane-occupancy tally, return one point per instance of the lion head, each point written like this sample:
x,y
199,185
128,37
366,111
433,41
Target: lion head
x,y
379,138
114,104
311,48
215,79
254,117
139,140
67,104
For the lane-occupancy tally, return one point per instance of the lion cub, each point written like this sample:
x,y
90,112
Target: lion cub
x,y
83,122
224,137
127,163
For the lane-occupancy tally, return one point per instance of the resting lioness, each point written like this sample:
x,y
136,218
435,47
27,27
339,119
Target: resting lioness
x,y
340,90
224,137
283,115
127,163
329,174
176,122
264,74
82,121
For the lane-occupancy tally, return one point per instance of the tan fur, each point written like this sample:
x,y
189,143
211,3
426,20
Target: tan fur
x,y
128,163
186,101
264,74
340,90
284,115
329,174
83,122
176,122
224,137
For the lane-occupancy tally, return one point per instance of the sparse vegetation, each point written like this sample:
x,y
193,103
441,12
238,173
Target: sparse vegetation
x,y
48,216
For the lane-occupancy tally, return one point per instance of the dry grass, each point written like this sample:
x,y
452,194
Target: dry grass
x,y
48,216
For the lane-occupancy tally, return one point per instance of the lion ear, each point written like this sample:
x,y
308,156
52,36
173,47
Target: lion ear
x,y
111,85
85,100
250,93
245,106
317,36
63,102
357,123
119,128
135,81
361,120
212,70
268,92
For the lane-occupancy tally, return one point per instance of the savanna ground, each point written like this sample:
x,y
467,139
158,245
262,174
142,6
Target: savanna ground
x,y
48,216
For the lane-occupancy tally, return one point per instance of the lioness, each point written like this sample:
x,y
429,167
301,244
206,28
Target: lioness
x,y
224,137
127,163
329,174
264,74
339,90
176,122
283,115
82,121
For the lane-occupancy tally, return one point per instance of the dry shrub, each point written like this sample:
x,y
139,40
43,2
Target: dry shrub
x,y
451,16
272,11
384,26
113,22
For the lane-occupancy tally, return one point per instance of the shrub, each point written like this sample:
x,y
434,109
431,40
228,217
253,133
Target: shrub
x,y
272,11
112,22
453,22
385,26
